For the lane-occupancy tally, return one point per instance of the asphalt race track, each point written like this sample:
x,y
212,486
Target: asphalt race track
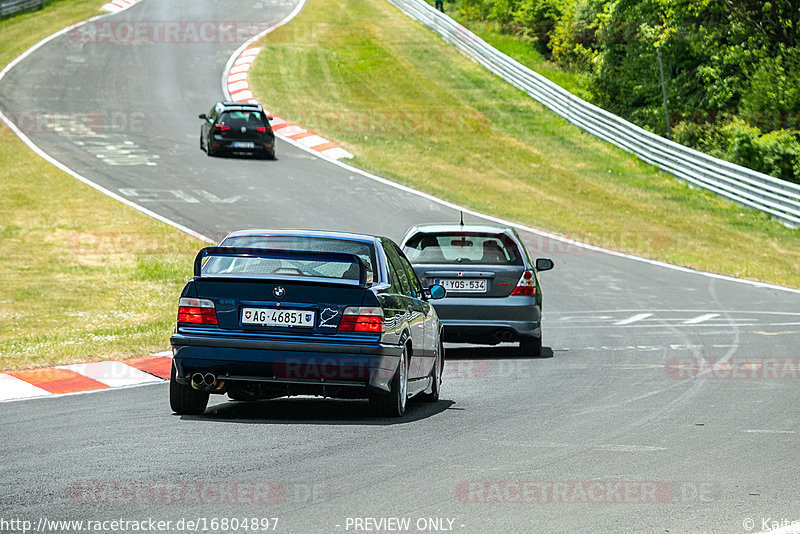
x,y
612,431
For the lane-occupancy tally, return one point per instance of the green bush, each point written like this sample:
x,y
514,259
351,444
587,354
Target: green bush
x,y
774,153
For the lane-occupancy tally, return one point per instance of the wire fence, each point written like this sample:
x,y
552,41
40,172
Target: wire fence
x,y
778,198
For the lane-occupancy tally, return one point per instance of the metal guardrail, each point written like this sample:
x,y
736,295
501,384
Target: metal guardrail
x,y
734,182
9,7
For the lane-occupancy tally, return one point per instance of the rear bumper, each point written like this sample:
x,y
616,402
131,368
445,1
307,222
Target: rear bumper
x,y
489,320
224,145
351,365
489,332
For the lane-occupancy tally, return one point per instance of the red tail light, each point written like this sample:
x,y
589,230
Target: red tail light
x,y
262,129
362,319
526,285
197,311
222,127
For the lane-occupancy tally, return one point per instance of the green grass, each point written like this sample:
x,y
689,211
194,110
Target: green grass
x,y
523,51
84,277
411,108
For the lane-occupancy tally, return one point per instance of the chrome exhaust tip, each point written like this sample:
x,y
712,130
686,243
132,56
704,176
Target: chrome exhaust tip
x,y
197,381
209,380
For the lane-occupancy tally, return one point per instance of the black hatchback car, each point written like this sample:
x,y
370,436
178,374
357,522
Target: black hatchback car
x,y
277,313
237,128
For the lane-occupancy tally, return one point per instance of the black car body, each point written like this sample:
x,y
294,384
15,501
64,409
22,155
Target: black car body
x,y
275,313
237,128
493,289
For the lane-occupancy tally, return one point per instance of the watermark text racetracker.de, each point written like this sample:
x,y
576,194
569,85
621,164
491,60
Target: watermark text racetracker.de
x,y
142,32
584,492
147,525
733,368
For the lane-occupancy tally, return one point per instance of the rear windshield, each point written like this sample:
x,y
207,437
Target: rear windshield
x,y
241,118
463,248
294,267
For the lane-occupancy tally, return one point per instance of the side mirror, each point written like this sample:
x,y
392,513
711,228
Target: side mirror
x,y
544,264
436,292
202,116
269,118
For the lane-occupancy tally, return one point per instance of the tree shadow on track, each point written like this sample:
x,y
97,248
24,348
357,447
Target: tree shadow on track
x,y
313,411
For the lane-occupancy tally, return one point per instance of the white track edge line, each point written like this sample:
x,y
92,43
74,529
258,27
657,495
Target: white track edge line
x,y
238,51
348,167
549,235
44,155
385,181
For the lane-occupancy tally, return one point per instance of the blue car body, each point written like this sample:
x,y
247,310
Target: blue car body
x,y
305,313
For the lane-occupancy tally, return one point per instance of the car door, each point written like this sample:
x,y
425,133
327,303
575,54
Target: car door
x,y
431,329
415,306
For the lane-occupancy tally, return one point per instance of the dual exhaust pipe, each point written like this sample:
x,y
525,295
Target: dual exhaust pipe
x,y
206,381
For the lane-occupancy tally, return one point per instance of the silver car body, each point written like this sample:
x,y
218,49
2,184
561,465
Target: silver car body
x,y
482,308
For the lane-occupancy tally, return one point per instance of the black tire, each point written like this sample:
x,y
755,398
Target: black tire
x,y
393,404
437,371
270,155
530,346
185,400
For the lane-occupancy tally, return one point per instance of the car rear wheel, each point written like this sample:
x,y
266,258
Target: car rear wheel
x,y
185,400
531,346
436,374
393,404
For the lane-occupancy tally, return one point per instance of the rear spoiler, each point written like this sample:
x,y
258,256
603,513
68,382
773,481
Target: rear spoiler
x,y
242,252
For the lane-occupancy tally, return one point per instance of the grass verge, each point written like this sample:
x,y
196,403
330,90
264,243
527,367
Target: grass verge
x,y
84,277
411,108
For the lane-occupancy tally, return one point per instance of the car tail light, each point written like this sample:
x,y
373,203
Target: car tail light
x,y
197,311
222,127
262,129
362,319
526,285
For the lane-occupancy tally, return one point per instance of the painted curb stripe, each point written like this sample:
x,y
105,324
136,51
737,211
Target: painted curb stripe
x,y
237,88
159,366
114,374
56,380
115,6
84,377
12,387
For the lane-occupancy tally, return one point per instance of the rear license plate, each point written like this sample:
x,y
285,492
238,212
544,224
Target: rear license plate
x,y
463,285
244,144
278,317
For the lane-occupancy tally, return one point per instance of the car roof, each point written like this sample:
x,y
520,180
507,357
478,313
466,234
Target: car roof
x,y
347,236
484,228
240,106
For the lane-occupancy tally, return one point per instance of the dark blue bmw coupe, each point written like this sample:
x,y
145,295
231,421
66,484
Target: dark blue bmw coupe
x,y
276,313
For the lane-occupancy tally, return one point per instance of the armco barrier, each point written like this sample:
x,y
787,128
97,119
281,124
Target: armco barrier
x,y
9,7
739,184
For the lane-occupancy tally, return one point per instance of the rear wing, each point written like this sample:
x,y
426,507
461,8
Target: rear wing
x,y
312,257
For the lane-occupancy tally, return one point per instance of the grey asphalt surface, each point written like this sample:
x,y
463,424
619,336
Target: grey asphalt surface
x,y
608,407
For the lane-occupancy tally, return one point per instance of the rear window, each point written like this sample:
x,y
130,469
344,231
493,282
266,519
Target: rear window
x,y
240,118
463,248
295,267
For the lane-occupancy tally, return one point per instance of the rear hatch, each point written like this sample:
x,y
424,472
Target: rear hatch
x,y
467,264
242,126
281,292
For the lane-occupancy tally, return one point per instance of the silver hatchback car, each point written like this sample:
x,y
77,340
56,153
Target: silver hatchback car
x,y
493,290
